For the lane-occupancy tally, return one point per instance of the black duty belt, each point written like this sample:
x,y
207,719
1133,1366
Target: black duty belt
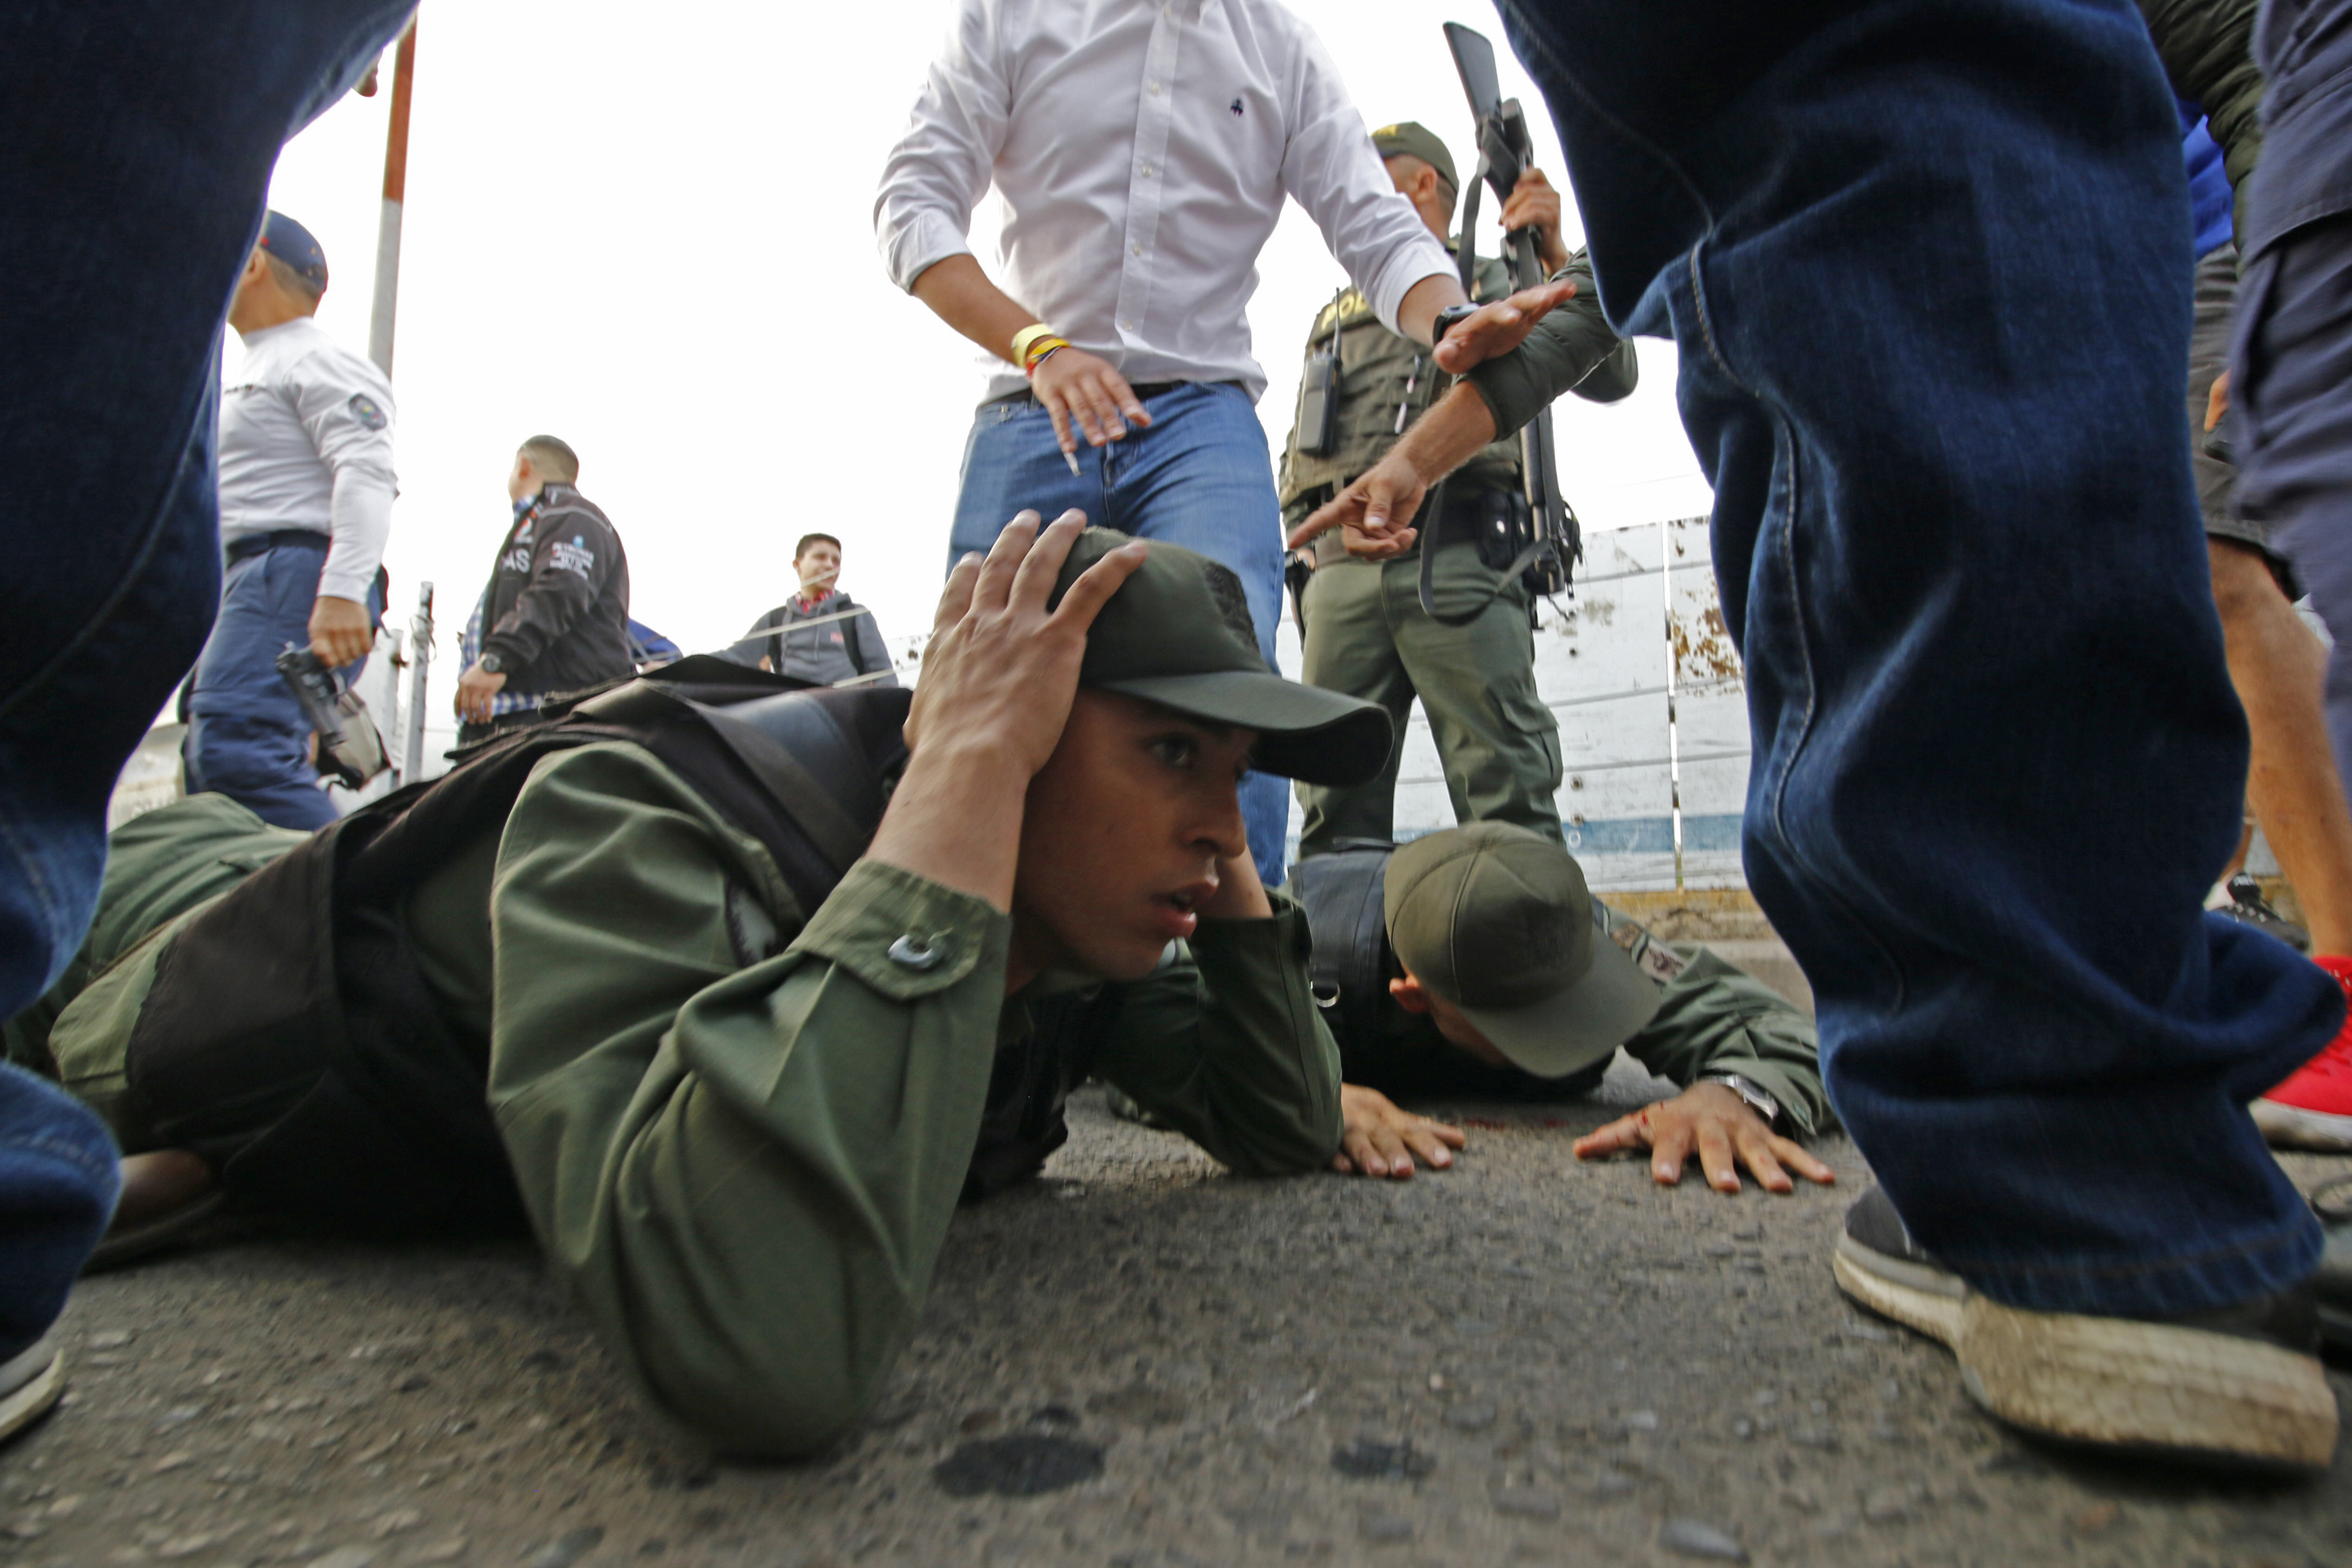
x,y
254,544
1144,390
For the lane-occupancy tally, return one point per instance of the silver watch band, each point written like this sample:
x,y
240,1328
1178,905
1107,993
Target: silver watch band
x,y
1759,1102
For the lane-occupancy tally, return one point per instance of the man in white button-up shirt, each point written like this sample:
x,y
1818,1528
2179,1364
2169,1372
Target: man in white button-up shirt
x,y
1143,151
306,490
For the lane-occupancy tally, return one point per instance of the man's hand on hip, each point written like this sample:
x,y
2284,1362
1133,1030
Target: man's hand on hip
x,y
340,630
1079,388
476,687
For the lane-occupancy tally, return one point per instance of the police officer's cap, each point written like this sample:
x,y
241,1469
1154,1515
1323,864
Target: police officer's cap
x,y
295,246
1409,136
1496,920
1178,632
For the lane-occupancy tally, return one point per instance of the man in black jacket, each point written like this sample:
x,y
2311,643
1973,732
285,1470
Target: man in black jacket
x,y
555,616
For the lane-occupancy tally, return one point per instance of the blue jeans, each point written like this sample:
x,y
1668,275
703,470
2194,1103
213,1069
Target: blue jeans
x,y
136,141
1199,476
58,1184
248,735
1927,265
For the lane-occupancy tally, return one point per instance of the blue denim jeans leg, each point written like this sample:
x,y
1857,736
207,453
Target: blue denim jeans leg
x,y
136,142
247,736
1927,266
59,1177
1198,476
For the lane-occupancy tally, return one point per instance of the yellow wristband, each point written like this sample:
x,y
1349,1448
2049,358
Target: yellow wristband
x,y
1026,339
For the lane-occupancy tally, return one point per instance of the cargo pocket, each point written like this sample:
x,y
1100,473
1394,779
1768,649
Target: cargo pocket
x,y
1523,712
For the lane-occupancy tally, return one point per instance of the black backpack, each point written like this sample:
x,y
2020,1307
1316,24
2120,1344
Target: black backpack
x,y
289,1036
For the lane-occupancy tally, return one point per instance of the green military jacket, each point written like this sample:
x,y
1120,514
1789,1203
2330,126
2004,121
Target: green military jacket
x,y
739,1128
1712,1018
1387,382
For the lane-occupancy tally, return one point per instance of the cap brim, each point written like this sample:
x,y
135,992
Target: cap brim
x,y
1304,732
1579,1025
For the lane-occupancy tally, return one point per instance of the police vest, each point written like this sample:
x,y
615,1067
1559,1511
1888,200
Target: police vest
x,y
1384,383
289,1036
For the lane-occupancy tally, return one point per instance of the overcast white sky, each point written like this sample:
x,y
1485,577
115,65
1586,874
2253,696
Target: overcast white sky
x,y
650,234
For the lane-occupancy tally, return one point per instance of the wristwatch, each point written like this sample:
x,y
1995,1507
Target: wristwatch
x,y
1447,319
490,664
1761,1102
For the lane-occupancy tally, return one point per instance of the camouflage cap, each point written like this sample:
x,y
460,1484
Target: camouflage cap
x,y
1178,632
1497,921
1409,136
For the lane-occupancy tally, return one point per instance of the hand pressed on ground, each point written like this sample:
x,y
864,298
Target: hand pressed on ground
x,y
1719,1125
1382,1138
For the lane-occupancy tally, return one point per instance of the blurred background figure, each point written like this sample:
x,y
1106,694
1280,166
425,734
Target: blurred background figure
x,y
306,491
555,616
848,646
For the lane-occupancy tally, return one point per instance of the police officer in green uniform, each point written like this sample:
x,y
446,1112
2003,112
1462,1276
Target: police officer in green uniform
x,y
1363,629
601,979
1475,964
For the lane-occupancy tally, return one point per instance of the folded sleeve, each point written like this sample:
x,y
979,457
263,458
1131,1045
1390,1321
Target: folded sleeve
x,y
1333,171
1227,1046
1572,349
741,1164
942,163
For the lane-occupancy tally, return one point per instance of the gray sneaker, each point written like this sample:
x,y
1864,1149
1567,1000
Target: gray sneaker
x,y
2240,1384
30,1384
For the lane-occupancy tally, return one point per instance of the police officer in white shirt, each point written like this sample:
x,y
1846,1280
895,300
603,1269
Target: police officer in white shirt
x,y
1143,153
306,489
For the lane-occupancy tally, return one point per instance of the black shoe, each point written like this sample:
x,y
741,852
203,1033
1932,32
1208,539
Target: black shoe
x,y
2247,903
2239,1384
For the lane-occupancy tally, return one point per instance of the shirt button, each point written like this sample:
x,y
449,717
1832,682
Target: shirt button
x,y
908,952
1155,89
1137,248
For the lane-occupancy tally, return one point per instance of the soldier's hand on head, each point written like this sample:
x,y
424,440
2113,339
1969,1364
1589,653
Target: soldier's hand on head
x,y
340,630
1381,1138
1000,671
1082,389
999,678
1496,329
1534,204
1719,1125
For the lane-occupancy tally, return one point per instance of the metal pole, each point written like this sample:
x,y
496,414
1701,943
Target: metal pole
x,y
1674,739
420,658
395,189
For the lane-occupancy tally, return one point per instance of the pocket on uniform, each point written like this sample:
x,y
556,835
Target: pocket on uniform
x,y
1522,708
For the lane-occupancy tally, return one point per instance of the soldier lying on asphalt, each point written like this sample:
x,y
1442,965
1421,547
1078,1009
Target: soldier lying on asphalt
x,y
1472,964
601,979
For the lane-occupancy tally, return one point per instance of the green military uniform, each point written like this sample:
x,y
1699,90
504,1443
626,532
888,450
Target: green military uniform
x,y
1680,1009
737,1125
1365,632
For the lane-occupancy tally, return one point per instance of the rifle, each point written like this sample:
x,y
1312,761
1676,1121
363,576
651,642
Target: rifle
x,y
1505,152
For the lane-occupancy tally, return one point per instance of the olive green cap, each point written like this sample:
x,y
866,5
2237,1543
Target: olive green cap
x,y
1178,632
1411,136
1497,921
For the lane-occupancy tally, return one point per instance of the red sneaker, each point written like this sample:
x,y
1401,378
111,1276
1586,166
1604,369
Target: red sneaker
x,y
2312,1109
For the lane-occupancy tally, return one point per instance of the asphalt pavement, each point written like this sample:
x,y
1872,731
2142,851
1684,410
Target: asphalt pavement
x,y
1138,1362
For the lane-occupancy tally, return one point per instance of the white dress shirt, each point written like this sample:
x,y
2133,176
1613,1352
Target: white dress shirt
x,y
306,442
1142,151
